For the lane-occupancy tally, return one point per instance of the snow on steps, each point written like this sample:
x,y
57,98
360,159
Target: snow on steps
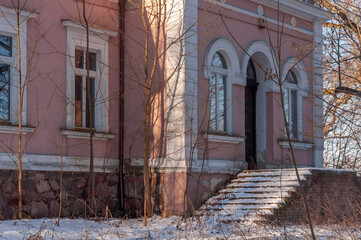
x,y
261,190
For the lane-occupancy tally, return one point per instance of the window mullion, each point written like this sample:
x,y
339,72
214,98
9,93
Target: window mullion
x,y
84,95
289,110
217,103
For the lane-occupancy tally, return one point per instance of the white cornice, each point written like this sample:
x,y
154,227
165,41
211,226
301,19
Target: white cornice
x,y
93,29
15,129
38,162
297,8
296,145
10,11
224,138
86,135
255,15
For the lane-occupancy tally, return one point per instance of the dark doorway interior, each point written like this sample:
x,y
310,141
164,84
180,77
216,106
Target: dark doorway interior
x,y
250,116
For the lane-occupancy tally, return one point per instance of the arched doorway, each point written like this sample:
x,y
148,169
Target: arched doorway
x,y
250,116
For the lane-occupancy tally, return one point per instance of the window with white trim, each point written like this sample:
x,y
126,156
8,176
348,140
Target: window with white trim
x,y
221,68
291,103
6,60
217,98
78,114
9,67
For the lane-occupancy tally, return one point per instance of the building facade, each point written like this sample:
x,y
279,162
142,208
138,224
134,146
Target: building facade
x,y
221,106
216,71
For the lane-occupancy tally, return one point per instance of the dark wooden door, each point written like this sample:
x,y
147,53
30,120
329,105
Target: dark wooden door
x,y
250,116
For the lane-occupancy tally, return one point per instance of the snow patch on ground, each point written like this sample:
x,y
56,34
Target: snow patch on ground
x,y
210,227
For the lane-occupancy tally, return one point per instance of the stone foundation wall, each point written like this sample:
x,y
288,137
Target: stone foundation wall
x,y
332,196
168,190
41,193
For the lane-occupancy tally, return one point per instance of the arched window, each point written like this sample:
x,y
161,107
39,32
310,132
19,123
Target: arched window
x,y
217,98
291,101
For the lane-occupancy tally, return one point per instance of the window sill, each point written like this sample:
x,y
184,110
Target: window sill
x,y
295,145
85,135
224,138
15,129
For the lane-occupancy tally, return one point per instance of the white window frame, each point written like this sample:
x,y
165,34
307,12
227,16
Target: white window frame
x,y
82,72
301,88
98,42
288,88
7,28
229,52
223,72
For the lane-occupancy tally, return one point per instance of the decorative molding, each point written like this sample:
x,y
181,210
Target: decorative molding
x,y
240,79
23,13
224,138
39,162
15,129
85,135
220,166
256,15
92,29
297,8
296,145
260,10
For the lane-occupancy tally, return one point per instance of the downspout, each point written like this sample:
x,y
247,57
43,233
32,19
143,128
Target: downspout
x,y
121,5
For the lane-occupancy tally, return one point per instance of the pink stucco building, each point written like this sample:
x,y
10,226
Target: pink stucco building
x,y
215,104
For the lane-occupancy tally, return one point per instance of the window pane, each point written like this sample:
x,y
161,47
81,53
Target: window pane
x,y
218,61
79,58
286,102
5,46
291,77
92,61
88,105
4,92
293,114
78,101
212,103
221,103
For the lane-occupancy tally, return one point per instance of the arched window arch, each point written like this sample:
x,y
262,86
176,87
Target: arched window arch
x,y
222,68
295,88
217,96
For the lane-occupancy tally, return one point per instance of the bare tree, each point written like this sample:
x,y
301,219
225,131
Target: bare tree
x,y
342,83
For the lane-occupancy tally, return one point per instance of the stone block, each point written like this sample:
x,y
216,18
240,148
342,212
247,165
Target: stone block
x,y
112,179
100,178
82,182
3,202
39,176
54,185
39,210
53,208
28,184
48,195
42,186
8,187
76,192
31,196
102,190
77,208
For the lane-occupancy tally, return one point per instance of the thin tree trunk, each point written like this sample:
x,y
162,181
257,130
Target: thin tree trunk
x,y
20,109
89,114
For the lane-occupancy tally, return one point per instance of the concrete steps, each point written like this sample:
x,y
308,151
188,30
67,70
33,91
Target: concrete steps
x,y
262,191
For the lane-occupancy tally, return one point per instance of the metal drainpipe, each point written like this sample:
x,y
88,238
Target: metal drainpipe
x,y
121,5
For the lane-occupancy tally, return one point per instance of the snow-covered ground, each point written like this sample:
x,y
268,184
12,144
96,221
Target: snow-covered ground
x,y
165,228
